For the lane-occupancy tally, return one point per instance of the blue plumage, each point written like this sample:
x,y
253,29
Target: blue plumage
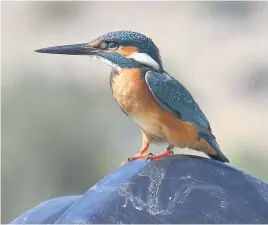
x,y
175,98
213,143
125,50
130,38
118,60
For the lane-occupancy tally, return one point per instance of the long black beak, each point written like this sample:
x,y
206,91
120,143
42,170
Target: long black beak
x,y
77,49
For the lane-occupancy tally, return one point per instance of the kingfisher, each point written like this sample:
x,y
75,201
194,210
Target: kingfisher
x,y
162,107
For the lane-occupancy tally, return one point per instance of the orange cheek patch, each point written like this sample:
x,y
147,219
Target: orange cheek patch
x,y
95,44
127,50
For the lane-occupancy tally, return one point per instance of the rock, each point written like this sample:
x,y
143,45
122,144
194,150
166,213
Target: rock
x,y
173,189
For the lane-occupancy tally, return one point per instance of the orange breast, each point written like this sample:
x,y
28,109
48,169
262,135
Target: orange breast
x,y
133,95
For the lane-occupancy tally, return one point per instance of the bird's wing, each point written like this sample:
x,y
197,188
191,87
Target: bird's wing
x,y
175,98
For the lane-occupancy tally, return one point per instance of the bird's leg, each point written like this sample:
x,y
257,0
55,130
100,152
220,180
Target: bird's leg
x,y
142,153
166,152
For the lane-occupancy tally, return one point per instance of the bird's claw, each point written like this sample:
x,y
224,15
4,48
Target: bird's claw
x,y
160,155
149,157
137,156
126,161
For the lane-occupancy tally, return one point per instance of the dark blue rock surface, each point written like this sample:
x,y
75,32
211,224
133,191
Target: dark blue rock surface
x,y
174,189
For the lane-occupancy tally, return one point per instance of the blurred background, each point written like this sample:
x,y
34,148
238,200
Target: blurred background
x,y
61,128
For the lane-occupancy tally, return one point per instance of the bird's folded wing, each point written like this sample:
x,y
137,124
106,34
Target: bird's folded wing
x,y
175,98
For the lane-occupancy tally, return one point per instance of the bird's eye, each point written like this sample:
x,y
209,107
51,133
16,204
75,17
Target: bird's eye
x,y
112,45
103,45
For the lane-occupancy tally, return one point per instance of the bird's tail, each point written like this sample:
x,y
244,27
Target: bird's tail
x,y
219,156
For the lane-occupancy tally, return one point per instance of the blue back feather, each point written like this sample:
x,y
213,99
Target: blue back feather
x,y
175,98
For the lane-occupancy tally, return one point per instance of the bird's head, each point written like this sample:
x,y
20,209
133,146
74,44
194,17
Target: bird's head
x,y
119,49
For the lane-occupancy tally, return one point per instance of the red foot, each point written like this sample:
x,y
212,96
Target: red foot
x,y
136,156
140,155
161,154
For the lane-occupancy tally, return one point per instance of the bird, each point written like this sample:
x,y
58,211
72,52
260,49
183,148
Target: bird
x,y
163,108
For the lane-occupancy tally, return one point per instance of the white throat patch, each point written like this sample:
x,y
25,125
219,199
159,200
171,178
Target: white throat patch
x,y
145,59
106,61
